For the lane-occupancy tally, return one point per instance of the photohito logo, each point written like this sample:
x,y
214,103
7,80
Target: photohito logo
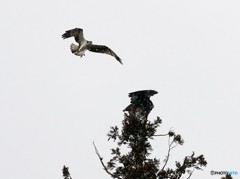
x,y
223,172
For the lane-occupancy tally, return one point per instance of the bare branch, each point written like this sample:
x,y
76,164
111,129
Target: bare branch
x,y
173,146
168,155
101,160
190,174
170,147
161,135
170,133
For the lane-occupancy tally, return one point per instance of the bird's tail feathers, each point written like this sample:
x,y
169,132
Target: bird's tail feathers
x,y
74,48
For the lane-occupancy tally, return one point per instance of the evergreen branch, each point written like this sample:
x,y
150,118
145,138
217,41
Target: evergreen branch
x,y
66,173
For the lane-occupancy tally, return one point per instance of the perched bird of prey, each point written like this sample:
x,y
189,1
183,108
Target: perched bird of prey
x,y
141,100
84,45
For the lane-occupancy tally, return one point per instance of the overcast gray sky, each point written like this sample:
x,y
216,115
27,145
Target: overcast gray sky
x,y
54,104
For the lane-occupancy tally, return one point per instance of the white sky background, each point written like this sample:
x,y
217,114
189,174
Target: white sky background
x,y
54,104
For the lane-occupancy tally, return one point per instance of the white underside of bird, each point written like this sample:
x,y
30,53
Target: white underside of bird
x,y
79,51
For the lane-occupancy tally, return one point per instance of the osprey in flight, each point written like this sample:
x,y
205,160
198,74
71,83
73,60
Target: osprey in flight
x,y
84,45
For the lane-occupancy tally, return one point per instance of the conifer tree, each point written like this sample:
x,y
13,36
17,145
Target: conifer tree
x,y
136,133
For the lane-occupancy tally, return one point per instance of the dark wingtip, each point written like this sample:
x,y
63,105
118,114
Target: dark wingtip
x,y
66,35
119,60
145,92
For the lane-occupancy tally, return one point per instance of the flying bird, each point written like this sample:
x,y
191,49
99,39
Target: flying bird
x,y
84,45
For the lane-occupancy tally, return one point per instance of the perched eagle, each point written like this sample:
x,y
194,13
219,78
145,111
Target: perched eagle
x,y
141,100
84,45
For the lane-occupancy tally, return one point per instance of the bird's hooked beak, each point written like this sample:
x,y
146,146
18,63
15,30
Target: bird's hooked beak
x,y
89,42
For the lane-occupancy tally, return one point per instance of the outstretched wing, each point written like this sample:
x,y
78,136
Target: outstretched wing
x,y
77,33
147,93
141,99
103,49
